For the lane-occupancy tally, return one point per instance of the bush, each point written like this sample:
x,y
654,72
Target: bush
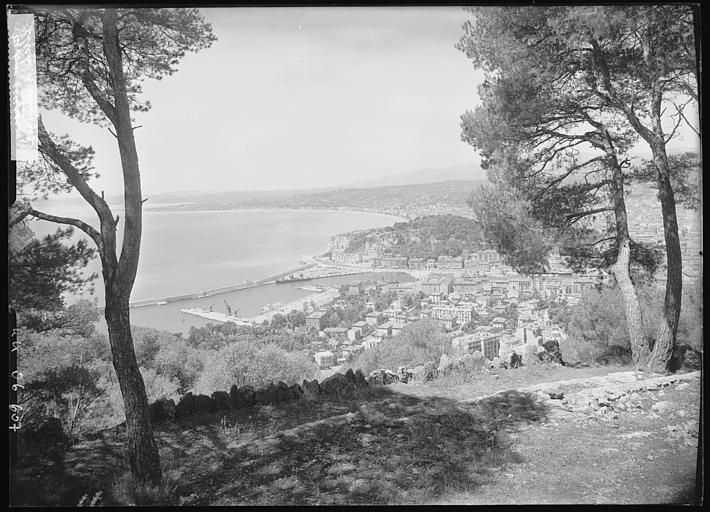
x,y
242,363
596,323
419,342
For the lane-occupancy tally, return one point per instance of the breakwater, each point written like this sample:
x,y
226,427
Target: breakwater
x,y
216,291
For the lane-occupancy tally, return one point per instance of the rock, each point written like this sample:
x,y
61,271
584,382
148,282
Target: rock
x,y
682,386
551,352
360,379
662,406
220,401
186,406
282,393
203,403
296,392
350,376
516,360
162,410
246,397
311,389
266,396
404,374
336,385
382,377
234,397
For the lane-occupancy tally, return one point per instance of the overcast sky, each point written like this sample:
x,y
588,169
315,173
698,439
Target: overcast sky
x,y
301,98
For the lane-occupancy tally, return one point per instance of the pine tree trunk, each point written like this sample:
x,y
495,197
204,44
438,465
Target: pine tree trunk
x,y
632,310
663,355
143,456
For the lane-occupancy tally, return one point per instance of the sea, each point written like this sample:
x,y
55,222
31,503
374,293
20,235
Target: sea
x,y
186,252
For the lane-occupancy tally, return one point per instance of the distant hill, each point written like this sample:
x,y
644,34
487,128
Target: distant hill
x,y
446,197
468,172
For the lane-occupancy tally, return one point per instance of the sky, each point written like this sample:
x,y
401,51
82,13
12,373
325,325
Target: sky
x,y
304,97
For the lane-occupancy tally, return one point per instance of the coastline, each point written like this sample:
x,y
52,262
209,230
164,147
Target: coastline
x,y
234,209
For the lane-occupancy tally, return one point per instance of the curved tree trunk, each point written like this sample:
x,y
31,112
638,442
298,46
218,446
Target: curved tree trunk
x,y
142,450
621,269
144,460
663,355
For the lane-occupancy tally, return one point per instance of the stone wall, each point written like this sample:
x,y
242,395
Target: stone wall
x,y
338,385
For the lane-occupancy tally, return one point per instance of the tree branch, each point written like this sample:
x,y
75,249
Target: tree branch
x,y
95,235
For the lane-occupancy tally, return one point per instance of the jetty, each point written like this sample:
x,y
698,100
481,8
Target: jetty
x,y
319,299
217,291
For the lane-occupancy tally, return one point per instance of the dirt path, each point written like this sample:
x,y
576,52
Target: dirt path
x,y
643,452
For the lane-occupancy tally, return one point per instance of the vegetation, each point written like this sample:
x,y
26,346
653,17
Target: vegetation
x,y
90,64
424,237
597,330
418,343
567,92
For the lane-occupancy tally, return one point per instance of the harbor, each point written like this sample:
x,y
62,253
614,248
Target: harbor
x,y
222,290
319,299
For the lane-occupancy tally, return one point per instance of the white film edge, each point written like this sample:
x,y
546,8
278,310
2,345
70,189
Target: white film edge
x,y
23,87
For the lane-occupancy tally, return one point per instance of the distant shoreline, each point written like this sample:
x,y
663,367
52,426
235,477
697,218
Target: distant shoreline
x,y
234,209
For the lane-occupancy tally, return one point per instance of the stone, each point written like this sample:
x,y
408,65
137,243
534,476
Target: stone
x,y
404,375
350,377
203,403
360,379
516,360
266,396
662,406
296,391
282,393
311,388
220,401
186,406
682,386
337,385
499,363
246,397
234,397
162,410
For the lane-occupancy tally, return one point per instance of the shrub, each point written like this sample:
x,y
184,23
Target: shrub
x,y
596,323
418,343
242,363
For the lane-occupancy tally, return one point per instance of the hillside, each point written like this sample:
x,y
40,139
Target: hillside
x,y
503,439
423,237
403,200
468,172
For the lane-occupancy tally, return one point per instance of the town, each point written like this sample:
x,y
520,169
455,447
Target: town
x,y
481,303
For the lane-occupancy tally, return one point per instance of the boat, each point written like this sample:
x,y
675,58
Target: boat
x,y
162,302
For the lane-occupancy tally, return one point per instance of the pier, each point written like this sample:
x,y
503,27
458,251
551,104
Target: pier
x,y
217,291
319,299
